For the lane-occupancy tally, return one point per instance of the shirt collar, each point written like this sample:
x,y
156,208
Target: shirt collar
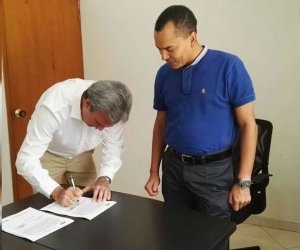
x,y
200,56
76,107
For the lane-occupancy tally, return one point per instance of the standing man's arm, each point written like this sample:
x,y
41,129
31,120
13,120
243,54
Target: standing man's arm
x,y
245,117
112,148
158,147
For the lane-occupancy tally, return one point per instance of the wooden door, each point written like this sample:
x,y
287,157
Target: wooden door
x,y
42,46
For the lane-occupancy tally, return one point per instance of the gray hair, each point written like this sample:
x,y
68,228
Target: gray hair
x,y
113,98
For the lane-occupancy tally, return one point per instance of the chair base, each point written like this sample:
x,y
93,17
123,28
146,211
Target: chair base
x,y
248,248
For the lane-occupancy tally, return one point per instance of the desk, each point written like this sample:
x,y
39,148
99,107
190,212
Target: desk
x,y
134,223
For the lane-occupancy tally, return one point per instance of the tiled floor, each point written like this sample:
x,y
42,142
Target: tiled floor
x,y
267,238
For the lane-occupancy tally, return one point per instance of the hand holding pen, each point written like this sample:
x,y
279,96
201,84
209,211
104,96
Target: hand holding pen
x,y
66,197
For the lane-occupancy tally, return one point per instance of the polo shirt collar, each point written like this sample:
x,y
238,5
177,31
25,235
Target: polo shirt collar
x,y
200,56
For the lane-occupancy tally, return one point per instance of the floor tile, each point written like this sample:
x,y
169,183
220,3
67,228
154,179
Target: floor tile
x,y
253,236
287,239
244,225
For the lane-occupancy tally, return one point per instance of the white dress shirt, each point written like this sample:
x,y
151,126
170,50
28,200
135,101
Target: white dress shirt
x,y
56,125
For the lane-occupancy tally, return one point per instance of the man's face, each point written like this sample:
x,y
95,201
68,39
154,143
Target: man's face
x,y
174,49
95,119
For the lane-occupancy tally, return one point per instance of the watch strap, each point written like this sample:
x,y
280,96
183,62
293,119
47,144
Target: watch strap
x,y
106,178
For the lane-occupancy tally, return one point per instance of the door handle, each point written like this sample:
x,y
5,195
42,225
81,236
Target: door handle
x,y
20,113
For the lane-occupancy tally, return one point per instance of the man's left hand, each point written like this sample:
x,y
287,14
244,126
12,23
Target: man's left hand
x,y
239,198
101,190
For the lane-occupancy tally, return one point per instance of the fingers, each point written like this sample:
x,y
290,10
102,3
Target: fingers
x,y
101,191
70,202
151,192
87,189
230,199
77,192
70,196
66,202
101,194
239,198
74,193
95,194
237,205
149,188
154,189
152,186
61,196
109,195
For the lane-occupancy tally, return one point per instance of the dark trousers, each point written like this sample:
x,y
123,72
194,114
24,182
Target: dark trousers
x,y
204,188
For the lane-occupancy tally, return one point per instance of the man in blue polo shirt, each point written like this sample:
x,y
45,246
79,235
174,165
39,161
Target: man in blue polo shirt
x,y
202,97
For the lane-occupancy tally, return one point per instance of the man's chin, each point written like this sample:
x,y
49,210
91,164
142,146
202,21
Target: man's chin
x,y
174,65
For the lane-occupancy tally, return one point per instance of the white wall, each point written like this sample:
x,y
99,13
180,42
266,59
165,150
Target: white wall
x,y
118,44
7,189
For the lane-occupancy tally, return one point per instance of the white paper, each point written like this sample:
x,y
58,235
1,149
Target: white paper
x,y
33,224
84,208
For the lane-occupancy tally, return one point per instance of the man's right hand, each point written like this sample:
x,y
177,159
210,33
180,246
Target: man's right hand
x,y
152,185
66,197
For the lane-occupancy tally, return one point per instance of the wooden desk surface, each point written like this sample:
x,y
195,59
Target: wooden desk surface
x,y
134,223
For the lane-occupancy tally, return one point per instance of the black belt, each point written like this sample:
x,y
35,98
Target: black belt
x,y
202,159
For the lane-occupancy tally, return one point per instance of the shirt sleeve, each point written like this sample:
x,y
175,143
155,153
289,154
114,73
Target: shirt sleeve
x,y
112,148
40,130
159,100
240,88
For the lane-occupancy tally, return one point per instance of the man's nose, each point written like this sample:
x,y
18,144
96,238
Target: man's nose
x,y
164,55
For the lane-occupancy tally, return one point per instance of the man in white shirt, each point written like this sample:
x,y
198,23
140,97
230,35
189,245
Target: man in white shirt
x,y
70,120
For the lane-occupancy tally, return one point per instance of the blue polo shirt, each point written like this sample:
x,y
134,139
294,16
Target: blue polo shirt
x,y
200,102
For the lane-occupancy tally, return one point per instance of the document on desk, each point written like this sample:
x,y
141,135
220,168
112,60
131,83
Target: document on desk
x,y
33,224
84,208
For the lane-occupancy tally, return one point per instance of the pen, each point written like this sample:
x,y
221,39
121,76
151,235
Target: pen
x,y
72,181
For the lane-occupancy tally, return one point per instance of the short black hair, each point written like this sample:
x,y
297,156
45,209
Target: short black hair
x,y
182,17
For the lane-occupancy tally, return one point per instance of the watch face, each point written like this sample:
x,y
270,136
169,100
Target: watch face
x,y
245,183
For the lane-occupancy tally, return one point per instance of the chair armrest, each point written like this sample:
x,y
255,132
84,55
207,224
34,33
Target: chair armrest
x,y
259,178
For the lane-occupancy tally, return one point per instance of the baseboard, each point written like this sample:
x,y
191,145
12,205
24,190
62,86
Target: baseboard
x,y
273,223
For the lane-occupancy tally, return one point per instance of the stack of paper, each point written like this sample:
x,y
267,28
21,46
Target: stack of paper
x,y
33,224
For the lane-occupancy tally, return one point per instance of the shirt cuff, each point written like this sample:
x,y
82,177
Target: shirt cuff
x,y
48,187
107,172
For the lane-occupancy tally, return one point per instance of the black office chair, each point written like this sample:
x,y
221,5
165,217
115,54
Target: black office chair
x,y
260,175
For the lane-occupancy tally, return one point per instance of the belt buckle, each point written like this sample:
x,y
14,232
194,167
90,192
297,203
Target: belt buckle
x,y
183,157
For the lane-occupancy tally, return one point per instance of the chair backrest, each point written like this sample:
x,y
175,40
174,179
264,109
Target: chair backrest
x,y
260,173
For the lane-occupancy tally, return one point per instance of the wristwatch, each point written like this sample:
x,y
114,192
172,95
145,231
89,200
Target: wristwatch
x,y
106,178
244,183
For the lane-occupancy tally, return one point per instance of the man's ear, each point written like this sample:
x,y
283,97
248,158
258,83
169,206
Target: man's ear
x,y
86,103
193,38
